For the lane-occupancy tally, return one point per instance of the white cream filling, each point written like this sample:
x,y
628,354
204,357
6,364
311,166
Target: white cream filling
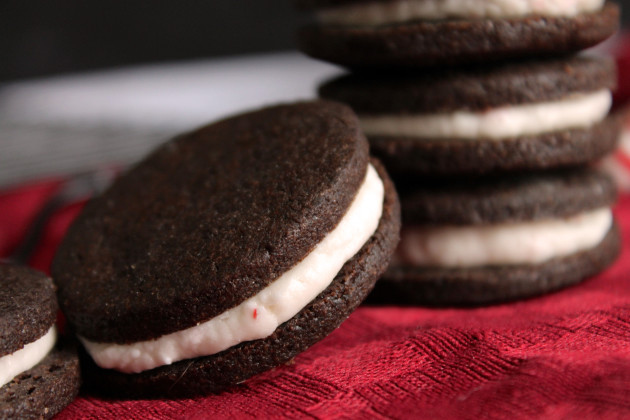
x,y
260,315
382,13
576,111
28,356
503,244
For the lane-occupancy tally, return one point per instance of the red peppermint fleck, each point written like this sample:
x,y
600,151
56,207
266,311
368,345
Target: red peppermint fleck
x,y
255,313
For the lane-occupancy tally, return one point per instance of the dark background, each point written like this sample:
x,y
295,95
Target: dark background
x,y
50,36
41,37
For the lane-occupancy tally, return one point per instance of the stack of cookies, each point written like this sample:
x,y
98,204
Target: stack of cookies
x,y
488,120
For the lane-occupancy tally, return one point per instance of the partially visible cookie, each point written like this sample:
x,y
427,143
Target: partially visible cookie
x,y
37,378
434,33
44,390
510,117
486,242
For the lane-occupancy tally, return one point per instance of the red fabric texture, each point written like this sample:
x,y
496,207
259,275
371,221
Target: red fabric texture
x,y
564,355
20,206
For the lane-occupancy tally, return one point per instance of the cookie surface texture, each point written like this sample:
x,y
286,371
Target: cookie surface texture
x,y
28,307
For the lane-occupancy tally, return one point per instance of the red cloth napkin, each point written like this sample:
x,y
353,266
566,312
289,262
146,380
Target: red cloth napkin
x,y
565,355
18,209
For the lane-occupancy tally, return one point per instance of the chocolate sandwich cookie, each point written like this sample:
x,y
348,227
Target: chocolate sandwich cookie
x,y
37,378
436,33
227,251
522,116
486,241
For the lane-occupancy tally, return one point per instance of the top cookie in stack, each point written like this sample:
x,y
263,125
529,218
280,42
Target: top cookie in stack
x,y
473,95
430,33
